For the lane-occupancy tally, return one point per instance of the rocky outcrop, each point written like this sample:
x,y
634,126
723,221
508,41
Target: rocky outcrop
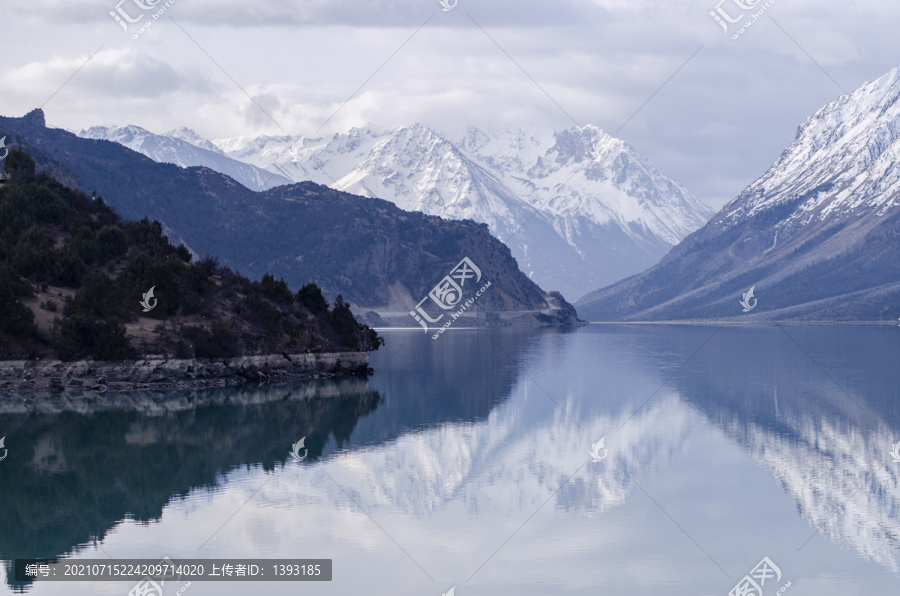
x,y
163,373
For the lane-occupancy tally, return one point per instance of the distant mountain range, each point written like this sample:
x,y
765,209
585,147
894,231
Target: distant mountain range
x,y
578,208
817,237
183,147
370,251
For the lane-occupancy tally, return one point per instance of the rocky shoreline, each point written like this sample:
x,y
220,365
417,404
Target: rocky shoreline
x,y
167,373
163,402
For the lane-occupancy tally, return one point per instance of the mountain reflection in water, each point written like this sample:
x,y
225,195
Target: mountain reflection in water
x,y
765,441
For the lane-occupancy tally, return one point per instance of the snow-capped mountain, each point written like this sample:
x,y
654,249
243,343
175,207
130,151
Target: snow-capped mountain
x,y
578,208
816,235
183,147
189,136
842,165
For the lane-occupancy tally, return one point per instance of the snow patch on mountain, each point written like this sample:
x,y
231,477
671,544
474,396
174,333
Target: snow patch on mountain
x,y
185,148
578,208
842,162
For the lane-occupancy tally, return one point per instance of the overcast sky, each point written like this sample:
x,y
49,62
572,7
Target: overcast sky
x,y
710,111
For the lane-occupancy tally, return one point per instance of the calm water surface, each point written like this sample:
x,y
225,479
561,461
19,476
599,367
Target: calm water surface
x,y
466,462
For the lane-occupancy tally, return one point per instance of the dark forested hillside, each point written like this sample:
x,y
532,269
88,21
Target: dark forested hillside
x,y
77,281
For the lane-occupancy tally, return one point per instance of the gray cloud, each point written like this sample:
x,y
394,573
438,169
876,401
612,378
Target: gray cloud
x,y
715,126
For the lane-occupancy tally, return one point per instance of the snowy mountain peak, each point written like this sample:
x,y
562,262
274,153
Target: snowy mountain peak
x,y
587,143
185,148
840,165
595,194
246,147
189,136
816,234
123,135
565,202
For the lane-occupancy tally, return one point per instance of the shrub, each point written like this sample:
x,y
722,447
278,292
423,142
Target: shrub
x,y
276,290
311,297
209,264
85,246
265,314
146,235
195,279
183,253
11,280
15,318
81,335
218,341
20,166
68,269
143,272
112,241
35,237
99,296
344,323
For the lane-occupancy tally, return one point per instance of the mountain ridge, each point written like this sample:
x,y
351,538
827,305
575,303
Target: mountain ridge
x,y
370,251
815,234
185,148
562,210
123,289
578,208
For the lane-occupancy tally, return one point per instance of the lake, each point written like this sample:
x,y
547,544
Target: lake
x,y
469,462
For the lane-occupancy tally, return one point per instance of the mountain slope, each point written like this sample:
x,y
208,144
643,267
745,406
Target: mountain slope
x,y
578,208
102,269
370,251
816,235
183,147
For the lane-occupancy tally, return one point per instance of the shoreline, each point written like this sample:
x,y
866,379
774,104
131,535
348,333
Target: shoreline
x,y
755,323
160,402
170,373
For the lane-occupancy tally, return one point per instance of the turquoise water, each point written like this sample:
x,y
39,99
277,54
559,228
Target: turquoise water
x,y
466,462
